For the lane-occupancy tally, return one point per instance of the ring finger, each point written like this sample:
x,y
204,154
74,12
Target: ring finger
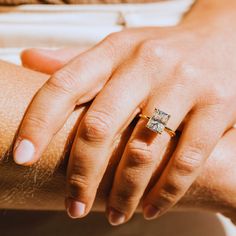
x,y
141,155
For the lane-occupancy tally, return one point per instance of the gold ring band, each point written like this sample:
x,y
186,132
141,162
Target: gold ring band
x,y
168,130
144,116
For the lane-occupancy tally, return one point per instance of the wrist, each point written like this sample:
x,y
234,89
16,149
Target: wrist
x,y
211,14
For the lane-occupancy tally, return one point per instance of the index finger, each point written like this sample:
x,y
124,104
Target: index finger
x,y
76,83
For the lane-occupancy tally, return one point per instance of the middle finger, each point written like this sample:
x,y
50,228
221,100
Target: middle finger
x,y
110,113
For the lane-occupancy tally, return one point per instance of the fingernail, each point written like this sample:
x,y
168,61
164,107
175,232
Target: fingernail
x,y
24,152
75,209
115,217
150,212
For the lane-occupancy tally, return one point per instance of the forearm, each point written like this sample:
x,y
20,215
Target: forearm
x,y
42,185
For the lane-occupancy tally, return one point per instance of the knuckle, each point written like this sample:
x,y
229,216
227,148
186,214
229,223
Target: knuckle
x,y
126,41
166,196
77,185
37,122
126,193
117,38
125,197
153,50
112,41
172,187
185,74
96,127
113,37
188,161
63,81
122,198
116,41
147,49
219,95
138,154
123,202
185,70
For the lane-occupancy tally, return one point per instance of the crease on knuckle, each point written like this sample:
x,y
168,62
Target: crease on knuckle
x,y
124,198
172,187
139,155
126,194
189,161
96,127
37,122
63,81
153,50
77,185
148,48
166,198
112,42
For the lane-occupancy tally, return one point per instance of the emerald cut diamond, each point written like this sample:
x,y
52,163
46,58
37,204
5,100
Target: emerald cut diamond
x,y
158,121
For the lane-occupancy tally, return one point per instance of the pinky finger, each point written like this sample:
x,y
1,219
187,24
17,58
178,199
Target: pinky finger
x,y
198,139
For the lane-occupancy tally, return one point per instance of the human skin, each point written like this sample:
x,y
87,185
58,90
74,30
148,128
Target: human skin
x,y
187,70
42,186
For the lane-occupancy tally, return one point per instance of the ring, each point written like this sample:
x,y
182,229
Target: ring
x,y
158,121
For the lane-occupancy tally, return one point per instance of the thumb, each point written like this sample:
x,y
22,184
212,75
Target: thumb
x,y
47,60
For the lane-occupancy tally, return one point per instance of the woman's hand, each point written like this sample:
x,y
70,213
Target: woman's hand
x,y
187,71
41,186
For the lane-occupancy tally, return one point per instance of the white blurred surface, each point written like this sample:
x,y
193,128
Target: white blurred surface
x,y
72,25
57,223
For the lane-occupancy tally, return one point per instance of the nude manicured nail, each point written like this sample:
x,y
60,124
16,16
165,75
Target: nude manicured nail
x,y
75,209
150,212
115,217
24,152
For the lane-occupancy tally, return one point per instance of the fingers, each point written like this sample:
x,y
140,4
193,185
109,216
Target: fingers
x,y
142,156
198,139
107,179
48,61
110,113
78,82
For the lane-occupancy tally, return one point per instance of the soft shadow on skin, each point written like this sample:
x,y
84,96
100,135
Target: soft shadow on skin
x,y
41,186
29,186
62,164
171,146
108,178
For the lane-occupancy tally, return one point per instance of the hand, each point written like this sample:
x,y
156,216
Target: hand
x,y
150,67
40,187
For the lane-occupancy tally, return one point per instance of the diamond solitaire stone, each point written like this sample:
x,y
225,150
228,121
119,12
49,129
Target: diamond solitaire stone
x,y
158,121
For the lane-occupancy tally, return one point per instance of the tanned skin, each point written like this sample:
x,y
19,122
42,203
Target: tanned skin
x,y
42,185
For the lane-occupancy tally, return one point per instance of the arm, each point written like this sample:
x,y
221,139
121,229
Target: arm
x,y
41,186
28,187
